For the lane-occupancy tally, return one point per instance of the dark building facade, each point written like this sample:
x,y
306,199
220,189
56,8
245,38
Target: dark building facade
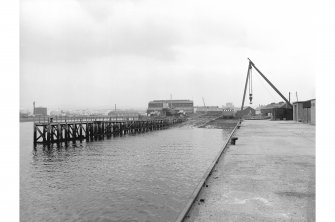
x,y
40,111
282,114
278,111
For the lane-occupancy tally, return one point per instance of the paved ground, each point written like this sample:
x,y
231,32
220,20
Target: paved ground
x,y
269,175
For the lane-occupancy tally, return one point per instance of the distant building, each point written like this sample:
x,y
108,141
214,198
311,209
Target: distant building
x,y
209,110
246,112
166,106
277,111
204,109
40,111
304,111
267,110
258,110
228,112
123,113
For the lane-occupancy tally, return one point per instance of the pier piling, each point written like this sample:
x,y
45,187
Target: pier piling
x,y
48,132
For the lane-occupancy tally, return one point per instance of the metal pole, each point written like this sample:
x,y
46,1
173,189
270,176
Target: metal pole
x,y
246,84
296,94
289,96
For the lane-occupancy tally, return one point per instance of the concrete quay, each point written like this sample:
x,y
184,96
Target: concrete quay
x,y
269,175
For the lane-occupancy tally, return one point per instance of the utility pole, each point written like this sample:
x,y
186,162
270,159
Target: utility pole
x,y
115,107
296,94
289,96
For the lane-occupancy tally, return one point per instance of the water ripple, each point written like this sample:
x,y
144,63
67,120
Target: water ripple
x,y
147,177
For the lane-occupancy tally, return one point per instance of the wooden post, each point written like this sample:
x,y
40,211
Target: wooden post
x,y
87,132
74,132
58,132
35,134
61,137
120,128
80,131
52,133
91,130
66,132
95,129
48,133
103,128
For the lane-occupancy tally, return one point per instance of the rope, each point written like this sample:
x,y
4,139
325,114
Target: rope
x,y
250,86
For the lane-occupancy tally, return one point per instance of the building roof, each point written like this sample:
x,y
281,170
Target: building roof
x,y
303,101
169,100
247,107
274,105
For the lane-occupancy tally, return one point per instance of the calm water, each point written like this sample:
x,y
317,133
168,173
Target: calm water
x,y
143,177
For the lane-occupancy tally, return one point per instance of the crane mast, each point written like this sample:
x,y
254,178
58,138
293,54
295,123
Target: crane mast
x,y
248,80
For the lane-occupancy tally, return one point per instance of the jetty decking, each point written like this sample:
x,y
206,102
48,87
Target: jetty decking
x,y
50,130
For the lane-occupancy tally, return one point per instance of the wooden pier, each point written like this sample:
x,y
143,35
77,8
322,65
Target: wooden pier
x,y
50,131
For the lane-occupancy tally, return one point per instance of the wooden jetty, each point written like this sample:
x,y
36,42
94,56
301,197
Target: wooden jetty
x,y
50,130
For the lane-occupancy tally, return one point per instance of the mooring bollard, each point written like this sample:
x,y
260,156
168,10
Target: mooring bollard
x,y
233,140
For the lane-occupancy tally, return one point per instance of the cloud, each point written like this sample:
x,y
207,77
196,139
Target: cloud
x,y
77,42
188,48
76,31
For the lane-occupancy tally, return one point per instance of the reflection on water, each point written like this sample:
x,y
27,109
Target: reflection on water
x,y
143,177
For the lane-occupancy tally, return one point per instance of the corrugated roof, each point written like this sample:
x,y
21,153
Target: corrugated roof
x,y
274,105
303,101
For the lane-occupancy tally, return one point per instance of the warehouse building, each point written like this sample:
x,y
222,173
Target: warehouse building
x,y
165,106
215,110
39,111
304,111
277,111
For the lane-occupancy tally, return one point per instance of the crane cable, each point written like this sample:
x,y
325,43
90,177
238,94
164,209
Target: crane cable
x,y
250,85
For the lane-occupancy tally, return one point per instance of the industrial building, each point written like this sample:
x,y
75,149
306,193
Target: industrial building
x,y
228,113
277,111
304,111
246,112
267,110
123,113
39,111
215,110
208,110
170,106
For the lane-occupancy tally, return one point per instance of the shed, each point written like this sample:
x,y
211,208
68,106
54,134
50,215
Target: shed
x,y
248,111
282,114
304,111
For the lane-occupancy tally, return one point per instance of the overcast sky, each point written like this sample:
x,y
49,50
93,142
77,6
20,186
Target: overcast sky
x,y
94,54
